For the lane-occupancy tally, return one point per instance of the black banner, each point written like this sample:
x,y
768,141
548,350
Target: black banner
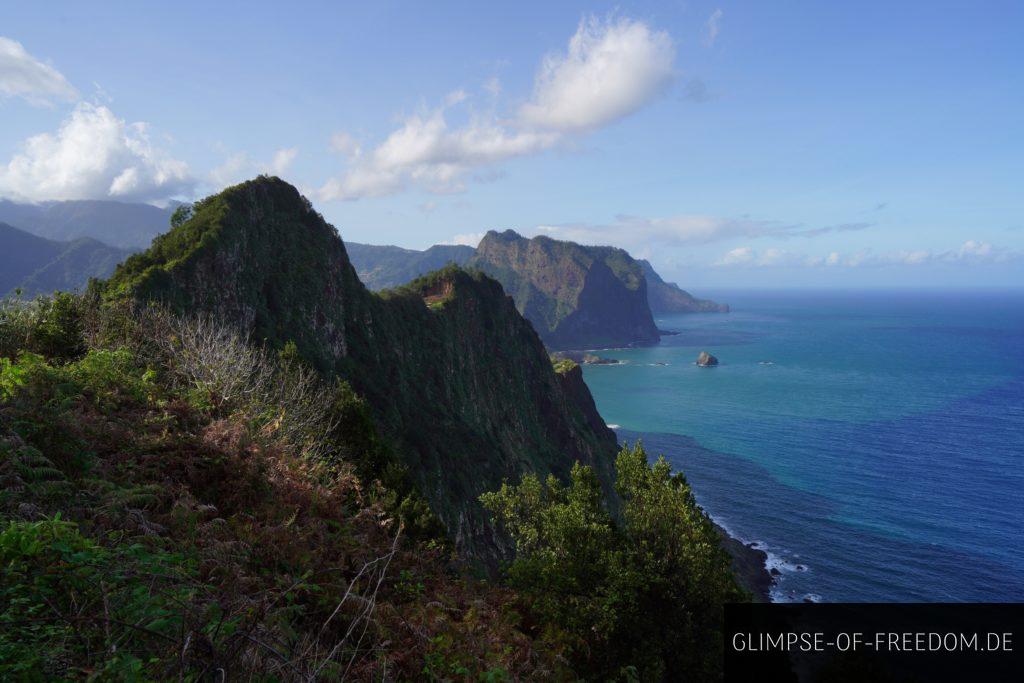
x,y
874,642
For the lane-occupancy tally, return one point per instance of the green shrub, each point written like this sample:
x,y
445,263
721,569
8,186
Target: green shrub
x,y
50,326
70,607
110,376
594,583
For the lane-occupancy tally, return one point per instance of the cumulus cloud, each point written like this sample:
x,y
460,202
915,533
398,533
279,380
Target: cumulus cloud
x,y
712,27
685,229
24,76
610,69
970,253
425,151
93,155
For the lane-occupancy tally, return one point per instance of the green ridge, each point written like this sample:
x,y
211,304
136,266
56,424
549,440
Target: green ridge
x,y
457,379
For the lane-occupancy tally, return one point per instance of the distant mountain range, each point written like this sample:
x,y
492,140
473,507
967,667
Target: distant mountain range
x,y
576,296
37,265
119,224
383,267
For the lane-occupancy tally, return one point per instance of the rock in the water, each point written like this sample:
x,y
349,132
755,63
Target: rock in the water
x,y
706,360
586,358
591,359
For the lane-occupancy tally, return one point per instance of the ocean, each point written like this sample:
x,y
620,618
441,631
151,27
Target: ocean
x,y
872,443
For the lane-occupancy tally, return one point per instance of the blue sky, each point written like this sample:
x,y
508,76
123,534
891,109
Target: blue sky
x,y
733,144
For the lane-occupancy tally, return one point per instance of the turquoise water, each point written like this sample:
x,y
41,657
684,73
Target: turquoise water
x,y
871,442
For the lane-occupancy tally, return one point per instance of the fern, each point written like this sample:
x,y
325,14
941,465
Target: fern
x,y
34,472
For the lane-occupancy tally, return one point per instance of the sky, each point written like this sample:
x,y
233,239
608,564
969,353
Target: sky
x,y
734,144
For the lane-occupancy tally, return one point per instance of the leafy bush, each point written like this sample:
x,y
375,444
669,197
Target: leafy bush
x,y
64,599
594,583
50,326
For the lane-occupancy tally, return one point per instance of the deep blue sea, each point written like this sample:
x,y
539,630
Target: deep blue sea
x,y
871,442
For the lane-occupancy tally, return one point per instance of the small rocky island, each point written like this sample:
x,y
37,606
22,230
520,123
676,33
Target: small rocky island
x,y
586,358
706,360
592,359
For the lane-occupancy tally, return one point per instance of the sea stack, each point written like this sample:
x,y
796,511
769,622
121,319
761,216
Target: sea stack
x,y
706,360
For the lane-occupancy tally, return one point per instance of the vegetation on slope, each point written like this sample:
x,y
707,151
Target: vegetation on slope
x,y
576,296
637,599
458,382
179,503
176,502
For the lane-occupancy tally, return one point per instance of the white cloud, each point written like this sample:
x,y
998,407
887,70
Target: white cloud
x,y
455,97
471,239
93,155
427,153
611,69
636,231
345,144
240,166
282,162
493,86
970,253
24,76
712,27
736,257
773,257
233,170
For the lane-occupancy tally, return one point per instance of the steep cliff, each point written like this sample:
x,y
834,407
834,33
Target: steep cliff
x,y
576,296
667,297
458,379
382,267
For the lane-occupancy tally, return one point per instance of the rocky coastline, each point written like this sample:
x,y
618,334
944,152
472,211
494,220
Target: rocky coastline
x,y
749,564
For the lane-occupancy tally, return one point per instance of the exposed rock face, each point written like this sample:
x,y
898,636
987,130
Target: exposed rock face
x,y
706,360
667,297
575,296
382,267
458,380
749,567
